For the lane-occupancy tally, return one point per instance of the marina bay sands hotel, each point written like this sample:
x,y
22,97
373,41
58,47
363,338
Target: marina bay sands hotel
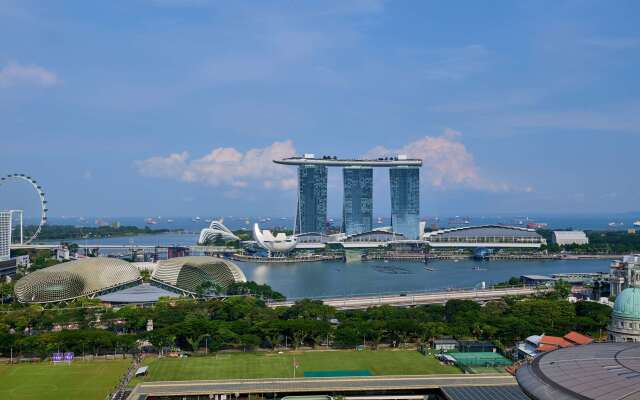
x,y
357,212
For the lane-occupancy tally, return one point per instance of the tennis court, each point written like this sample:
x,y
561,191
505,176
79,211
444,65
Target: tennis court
x,y
479,362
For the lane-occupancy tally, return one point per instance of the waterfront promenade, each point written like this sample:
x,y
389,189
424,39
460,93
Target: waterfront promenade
x,y
418,298
284,386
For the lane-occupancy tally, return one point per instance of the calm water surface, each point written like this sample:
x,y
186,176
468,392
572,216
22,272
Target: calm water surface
x,y
336,278
331,278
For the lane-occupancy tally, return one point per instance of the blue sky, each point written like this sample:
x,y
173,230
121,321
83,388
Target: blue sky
x,y
175,107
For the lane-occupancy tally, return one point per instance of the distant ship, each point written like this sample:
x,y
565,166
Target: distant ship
x,y
636,222
150,221
380,220
170,221
617,223
536,225
457,220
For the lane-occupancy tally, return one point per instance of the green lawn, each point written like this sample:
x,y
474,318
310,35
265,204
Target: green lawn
x,y
79,380
273,365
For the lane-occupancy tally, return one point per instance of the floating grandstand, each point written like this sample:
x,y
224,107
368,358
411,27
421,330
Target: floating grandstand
x,y
485,236
216,231
187,274
88,277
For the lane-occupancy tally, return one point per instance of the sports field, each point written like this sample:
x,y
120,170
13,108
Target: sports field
x,y
273,365
80,380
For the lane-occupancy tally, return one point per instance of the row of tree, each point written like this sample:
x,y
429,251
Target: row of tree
x,y
246,323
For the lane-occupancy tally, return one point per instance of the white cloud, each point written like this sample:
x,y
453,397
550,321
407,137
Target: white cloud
x,y
227,166
446,162
14,74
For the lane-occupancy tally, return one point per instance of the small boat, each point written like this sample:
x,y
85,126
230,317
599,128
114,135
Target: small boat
x,y
429,269
636,222
476,268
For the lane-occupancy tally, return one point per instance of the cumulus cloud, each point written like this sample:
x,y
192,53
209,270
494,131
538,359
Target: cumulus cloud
x,y
14,74
227,166
446,161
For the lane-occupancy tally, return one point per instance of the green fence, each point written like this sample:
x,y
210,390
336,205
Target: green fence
x,y
468,361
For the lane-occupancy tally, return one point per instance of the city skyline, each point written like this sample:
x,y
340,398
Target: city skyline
x,y
184,107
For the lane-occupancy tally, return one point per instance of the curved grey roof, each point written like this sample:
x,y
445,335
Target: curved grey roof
x,y
484,231
74,279
141,294
187,273
598,371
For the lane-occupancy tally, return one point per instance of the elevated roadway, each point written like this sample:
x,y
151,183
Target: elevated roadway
x,y
412,299
311,385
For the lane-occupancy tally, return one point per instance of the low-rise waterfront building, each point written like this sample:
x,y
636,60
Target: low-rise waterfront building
x,y
563,238
485,236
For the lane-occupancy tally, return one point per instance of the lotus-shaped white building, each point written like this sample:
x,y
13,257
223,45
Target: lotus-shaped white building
x,y
280,243
214,232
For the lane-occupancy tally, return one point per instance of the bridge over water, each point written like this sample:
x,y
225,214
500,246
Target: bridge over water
x,y
418,298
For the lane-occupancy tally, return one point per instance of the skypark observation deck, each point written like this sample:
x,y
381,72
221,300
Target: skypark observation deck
x,y
335,162
404,183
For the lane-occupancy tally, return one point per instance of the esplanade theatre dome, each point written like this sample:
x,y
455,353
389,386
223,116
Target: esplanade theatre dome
x,y
74,279
188,273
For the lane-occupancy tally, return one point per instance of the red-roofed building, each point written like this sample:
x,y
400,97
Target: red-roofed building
x,y
546,347
555,341
578,338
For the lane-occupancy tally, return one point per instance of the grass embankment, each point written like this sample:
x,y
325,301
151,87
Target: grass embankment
x,y
273,365
79,380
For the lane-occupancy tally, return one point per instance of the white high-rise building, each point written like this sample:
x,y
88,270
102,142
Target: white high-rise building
x,y
5,235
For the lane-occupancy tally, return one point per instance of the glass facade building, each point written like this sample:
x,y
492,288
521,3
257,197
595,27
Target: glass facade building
x,y
405,200
312,199
357,208
5,235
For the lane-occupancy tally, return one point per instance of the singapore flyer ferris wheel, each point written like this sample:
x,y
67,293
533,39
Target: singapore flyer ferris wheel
x,y
13,178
